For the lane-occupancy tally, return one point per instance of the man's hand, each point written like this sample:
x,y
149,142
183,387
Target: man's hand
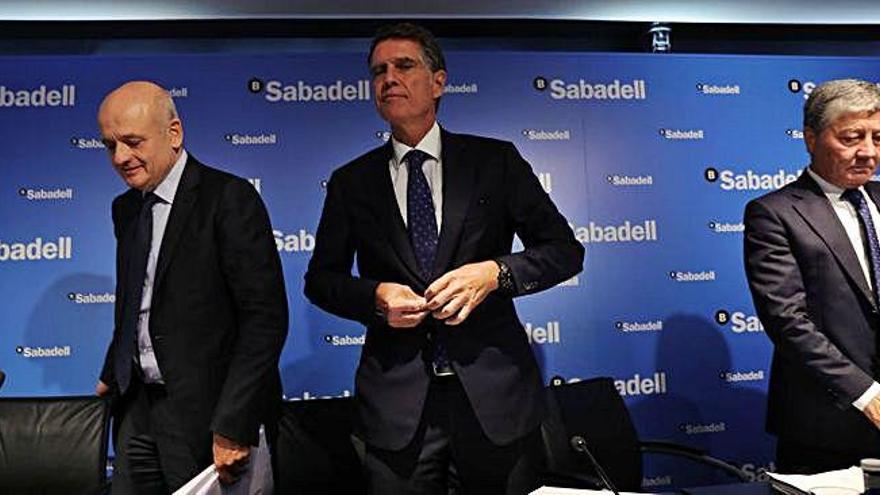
x,y
230,459
872,411
402,307
453,296
101,389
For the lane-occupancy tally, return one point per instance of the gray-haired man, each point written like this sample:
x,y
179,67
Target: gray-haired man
x,y
812,260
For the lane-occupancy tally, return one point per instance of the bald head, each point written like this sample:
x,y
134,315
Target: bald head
x,y
142,96
142,132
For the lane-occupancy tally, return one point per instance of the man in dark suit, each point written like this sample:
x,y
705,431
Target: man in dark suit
x,y
201,310
812,260
446,379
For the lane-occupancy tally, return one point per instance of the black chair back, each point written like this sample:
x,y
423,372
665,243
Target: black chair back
x,y
594,410
54,444
316,450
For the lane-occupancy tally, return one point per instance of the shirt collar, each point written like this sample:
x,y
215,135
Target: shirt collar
x,y
430,144
828,188
168,187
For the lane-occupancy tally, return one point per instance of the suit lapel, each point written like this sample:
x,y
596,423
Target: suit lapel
x,y
458,182
129,207
184,200
389,211
814,207
873,189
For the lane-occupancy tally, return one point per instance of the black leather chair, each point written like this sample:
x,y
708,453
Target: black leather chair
x,y
54,445
594,410
317,451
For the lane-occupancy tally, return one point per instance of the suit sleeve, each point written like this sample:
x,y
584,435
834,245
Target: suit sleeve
x,y
252,270
780,297
107,376
551,254
107,372
329,282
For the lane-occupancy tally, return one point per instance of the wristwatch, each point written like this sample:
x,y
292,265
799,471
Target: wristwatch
x,y
506,286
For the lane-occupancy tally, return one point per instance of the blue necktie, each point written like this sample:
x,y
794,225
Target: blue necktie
x,y
139,250
857,199
421,221
422,225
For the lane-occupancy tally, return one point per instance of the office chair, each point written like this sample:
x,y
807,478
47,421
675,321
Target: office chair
x,y
317,452
594,410
54,444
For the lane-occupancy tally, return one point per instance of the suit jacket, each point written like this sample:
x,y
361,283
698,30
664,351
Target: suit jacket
x,y
218,315
812,297
489,194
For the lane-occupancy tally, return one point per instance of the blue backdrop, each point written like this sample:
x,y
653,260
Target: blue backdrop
x,y
651,158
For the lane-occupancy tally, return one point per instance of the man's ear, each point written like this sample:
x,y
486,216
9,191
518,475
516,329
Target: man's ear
x,y
439,81
810,137
175,132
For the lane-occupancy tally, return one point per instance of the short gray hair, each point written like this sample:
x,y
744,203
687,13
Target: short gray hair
x,y
170,108
431,51
832,99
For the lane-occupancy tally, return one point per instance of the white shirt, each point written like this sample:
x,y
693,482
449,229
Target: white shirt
x,y
433,169
849,219
166,191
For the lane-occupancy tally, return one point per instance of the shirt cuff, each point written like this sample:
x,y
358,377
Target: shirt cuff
x,y
862,402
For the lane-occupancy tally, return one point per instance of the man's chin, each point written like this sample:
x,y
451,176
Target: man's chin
x,y
392,114
135,182
857,180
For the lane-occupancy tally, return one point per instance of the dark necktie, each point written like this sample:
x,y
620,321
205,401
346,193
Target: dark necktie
x,y
138,251
422,225
421,221
857,199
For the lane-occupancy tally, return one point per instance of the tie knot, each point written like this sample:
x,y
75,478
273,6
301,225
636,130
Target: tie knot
x,y
149,200
415,158
854,196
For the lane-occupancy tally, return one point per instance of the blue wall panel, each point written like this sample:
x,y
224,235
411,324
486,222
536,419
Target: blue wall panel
x,y
653,179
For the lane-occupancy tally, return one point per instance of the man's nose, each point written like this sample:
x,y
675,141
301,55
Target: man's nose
x,y
121,154
389,77
868,148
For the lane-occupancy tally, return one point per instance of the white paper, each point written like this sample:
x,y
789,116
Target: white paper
x,y
205,483
851,478
256,480
552,490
